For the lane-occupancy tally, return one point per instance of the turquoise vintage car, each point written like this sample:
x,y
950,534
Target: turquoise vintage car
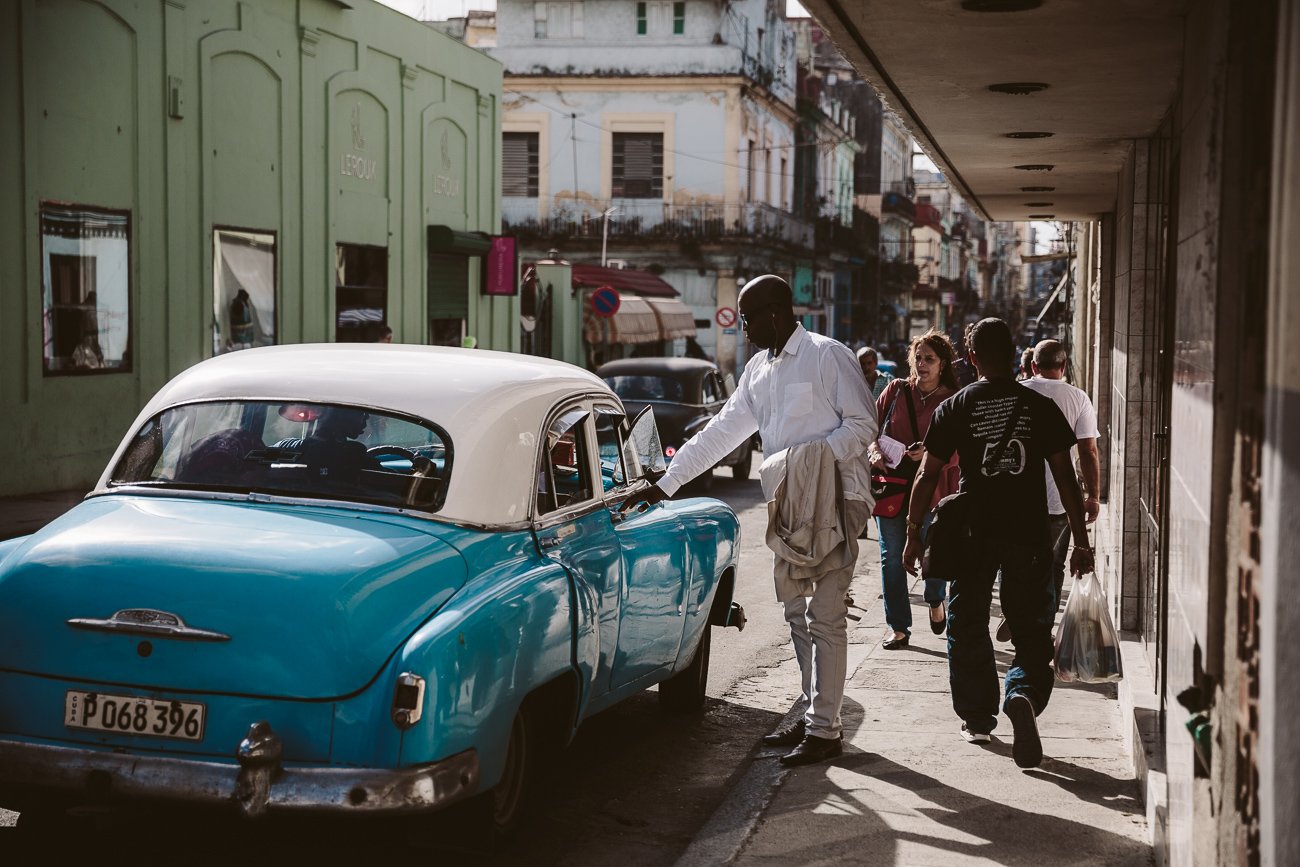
x,y
352,578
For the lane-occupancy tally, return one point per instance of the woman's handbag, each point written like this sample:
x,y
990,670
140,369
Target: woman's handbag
x,y
947,544
1087,645
892,488
890,494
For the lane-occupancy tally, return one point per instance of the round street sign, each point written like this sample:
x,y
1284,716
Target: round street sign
x,y
726,317
605,301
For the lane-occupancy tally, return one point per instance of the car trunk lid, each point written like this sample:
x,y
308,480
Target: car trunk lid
x,y
281,601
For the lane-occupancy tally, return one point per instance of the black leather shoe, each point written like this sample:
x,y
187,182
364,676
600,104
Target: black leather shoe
x,y
896,643
786,736
813,749
938,626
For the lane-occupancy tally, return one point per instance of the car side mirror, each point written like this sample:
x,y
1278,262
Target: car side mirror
x,y
644,439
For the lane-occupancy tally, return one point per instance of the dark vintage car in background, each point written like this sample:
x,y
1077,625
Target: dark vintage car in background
x,y
685,394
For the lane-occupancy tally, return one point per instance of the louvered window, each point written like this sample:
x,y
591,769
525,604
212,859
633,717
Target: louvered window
x,y
638,165
519,164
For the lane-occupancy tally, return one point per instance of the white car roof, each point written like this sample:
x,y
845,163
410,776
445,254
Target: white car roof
x,y
491,404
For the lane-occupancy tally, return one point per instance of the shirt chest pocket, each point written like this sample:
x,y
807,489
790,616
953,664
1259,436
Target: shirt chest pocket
x,y
798,399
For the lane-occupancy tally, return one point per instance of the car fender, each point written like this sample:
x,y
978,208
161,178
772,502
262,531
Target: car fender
x,y
713,534
509,632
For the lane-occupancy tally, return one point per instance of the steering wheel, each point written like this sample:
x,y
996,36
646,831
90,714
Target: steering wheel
x,y
376,451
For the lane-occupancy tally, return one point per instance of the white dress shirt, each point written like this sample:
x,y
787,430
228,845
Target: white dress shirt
x,y
1077,408
813,389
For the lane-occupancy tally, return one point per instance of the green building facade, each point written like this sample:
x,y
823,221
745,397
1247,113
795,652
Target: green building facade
x,y
190,177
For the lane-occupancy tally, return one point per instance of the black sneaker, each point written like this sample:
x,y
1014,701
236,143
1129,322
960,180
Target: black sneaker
x,y
1027,749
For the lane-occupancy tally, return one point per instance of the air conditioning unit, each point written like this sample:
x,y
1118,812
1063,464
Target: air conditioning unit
x,y
620,264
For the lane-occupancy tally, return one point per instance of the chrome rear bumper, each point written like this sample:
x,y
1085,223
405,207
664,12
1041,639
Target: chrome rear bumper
x,y
349,790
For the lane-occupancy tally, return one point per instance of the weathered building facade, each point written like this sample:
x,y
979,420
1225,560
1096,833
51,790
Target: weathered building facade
x,y
198,178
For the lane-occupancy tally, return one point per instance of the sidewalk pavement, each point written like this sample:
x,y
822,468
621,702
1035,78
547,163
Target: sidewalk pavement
x,y
22,515
910,791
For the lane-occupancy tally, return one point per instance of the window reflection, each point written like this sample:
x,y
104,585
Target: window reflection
x,y
86,289
243,289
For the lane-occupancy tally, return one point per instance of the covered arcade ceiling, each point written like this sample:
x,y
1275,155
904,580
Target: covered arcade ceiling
x,y
1110,70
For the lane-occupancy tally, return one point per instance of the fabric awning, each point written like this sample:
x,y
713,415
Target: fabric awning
x,y
623,279
675,318
635,322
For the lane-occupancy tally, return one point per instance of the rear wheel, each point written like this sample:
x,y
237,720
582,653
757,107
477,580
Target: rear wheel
x,y
685,690
740,469
506,802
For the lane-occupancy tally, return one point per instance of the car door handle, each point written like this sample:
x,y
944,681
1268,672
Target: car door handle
x,y
617,516
548,542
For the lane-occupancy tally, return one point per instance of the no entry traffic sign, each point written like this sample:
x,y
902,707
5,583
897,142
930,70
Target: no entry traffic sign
x,y
605,301
726,317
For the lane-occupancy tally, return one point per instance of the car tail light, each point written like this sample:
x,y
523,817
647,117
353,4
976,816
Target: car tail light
x,y
669,452
408,700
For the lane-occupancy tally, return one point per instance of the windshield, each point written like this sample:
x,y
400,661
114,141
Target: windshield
x,y
646,387
292,449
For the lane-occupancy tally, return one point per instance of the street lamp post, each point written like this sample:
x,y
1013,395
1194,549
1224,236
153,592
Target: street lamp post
x,y
604,232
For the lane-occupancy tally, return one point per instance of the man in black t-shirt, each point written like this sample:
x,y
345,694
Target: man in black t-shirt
x,y
1003,433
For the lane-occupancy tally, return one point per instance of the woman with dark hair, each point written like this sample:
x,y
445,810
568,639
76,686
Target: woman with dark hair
x,y
905,408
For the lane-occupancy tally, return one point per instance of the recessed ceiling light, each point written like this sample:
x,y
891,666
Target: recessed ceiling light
x,y
1000,5
1018,88
1030,134
1035,167
1038,189
1039,204
1042,216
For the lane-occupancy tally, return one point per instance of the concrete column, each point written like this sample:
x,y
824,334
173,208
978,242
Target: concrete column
x,y
1279,700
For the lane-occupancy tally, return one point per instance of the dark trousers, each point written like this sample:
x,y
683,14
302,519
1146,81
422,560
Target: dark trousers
x,y
1027,603
1058,527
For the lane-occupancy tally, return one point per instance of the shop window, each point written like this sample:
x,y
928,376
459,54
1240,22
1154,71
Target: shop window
x,y
360,293
519,164
558,20
85,289
679,19
638,170
243,289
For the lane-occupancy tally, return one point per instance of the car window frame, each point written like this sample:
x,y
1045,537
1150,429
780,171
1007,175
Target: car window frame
x,y
570,511
630,479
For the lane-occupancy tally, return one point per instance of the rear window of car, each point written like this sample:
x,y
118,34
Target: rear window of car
x,y
315,450
646,387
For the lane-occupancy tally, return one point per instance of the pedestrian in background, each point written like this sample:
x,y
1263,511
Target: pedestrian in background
x,y
877,379
805,389
1026,364
905,408
1048,365
1003,432
964,369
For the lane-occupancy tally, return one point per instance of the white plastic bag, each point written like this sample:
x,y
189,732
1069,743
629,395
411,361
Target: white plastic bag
x,y
1087,645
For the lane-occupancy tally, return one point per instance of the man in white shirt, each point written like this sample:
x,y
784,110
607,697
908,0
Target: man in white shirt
x,y
804,388
1049,379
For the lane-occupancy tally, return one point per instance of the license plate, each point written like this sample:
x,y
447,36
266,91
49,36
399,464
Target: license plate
x,y
133,715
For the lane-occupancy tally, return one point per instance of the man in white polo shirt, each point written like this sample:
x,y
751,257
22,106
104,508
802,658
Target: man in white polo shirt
x,y
1049,379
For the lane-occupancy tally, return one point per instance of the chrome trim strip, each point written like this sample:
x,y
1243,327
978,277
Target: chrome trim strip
x,y
343,790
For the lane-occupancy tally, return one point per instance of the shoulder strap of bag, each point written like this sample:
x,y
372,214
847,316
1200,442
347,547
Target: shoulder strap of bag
x,y
1006,433
889,414
911,413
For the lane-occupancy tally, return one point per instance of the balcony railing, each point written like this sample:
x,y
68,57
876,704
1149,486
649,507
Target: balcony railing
x,y
652,219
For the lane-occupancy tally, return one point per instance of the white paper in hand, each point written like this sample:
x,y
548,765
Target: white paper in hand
x,y
892,449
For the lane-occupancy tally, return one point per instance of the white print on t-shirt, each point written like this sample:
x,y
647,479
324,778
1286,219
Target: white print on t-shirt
x,y
1012,460
988,422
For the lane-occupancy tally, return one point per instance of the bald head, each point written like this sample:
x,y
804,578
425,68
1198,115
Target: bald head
x,y
1049,359
767,311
